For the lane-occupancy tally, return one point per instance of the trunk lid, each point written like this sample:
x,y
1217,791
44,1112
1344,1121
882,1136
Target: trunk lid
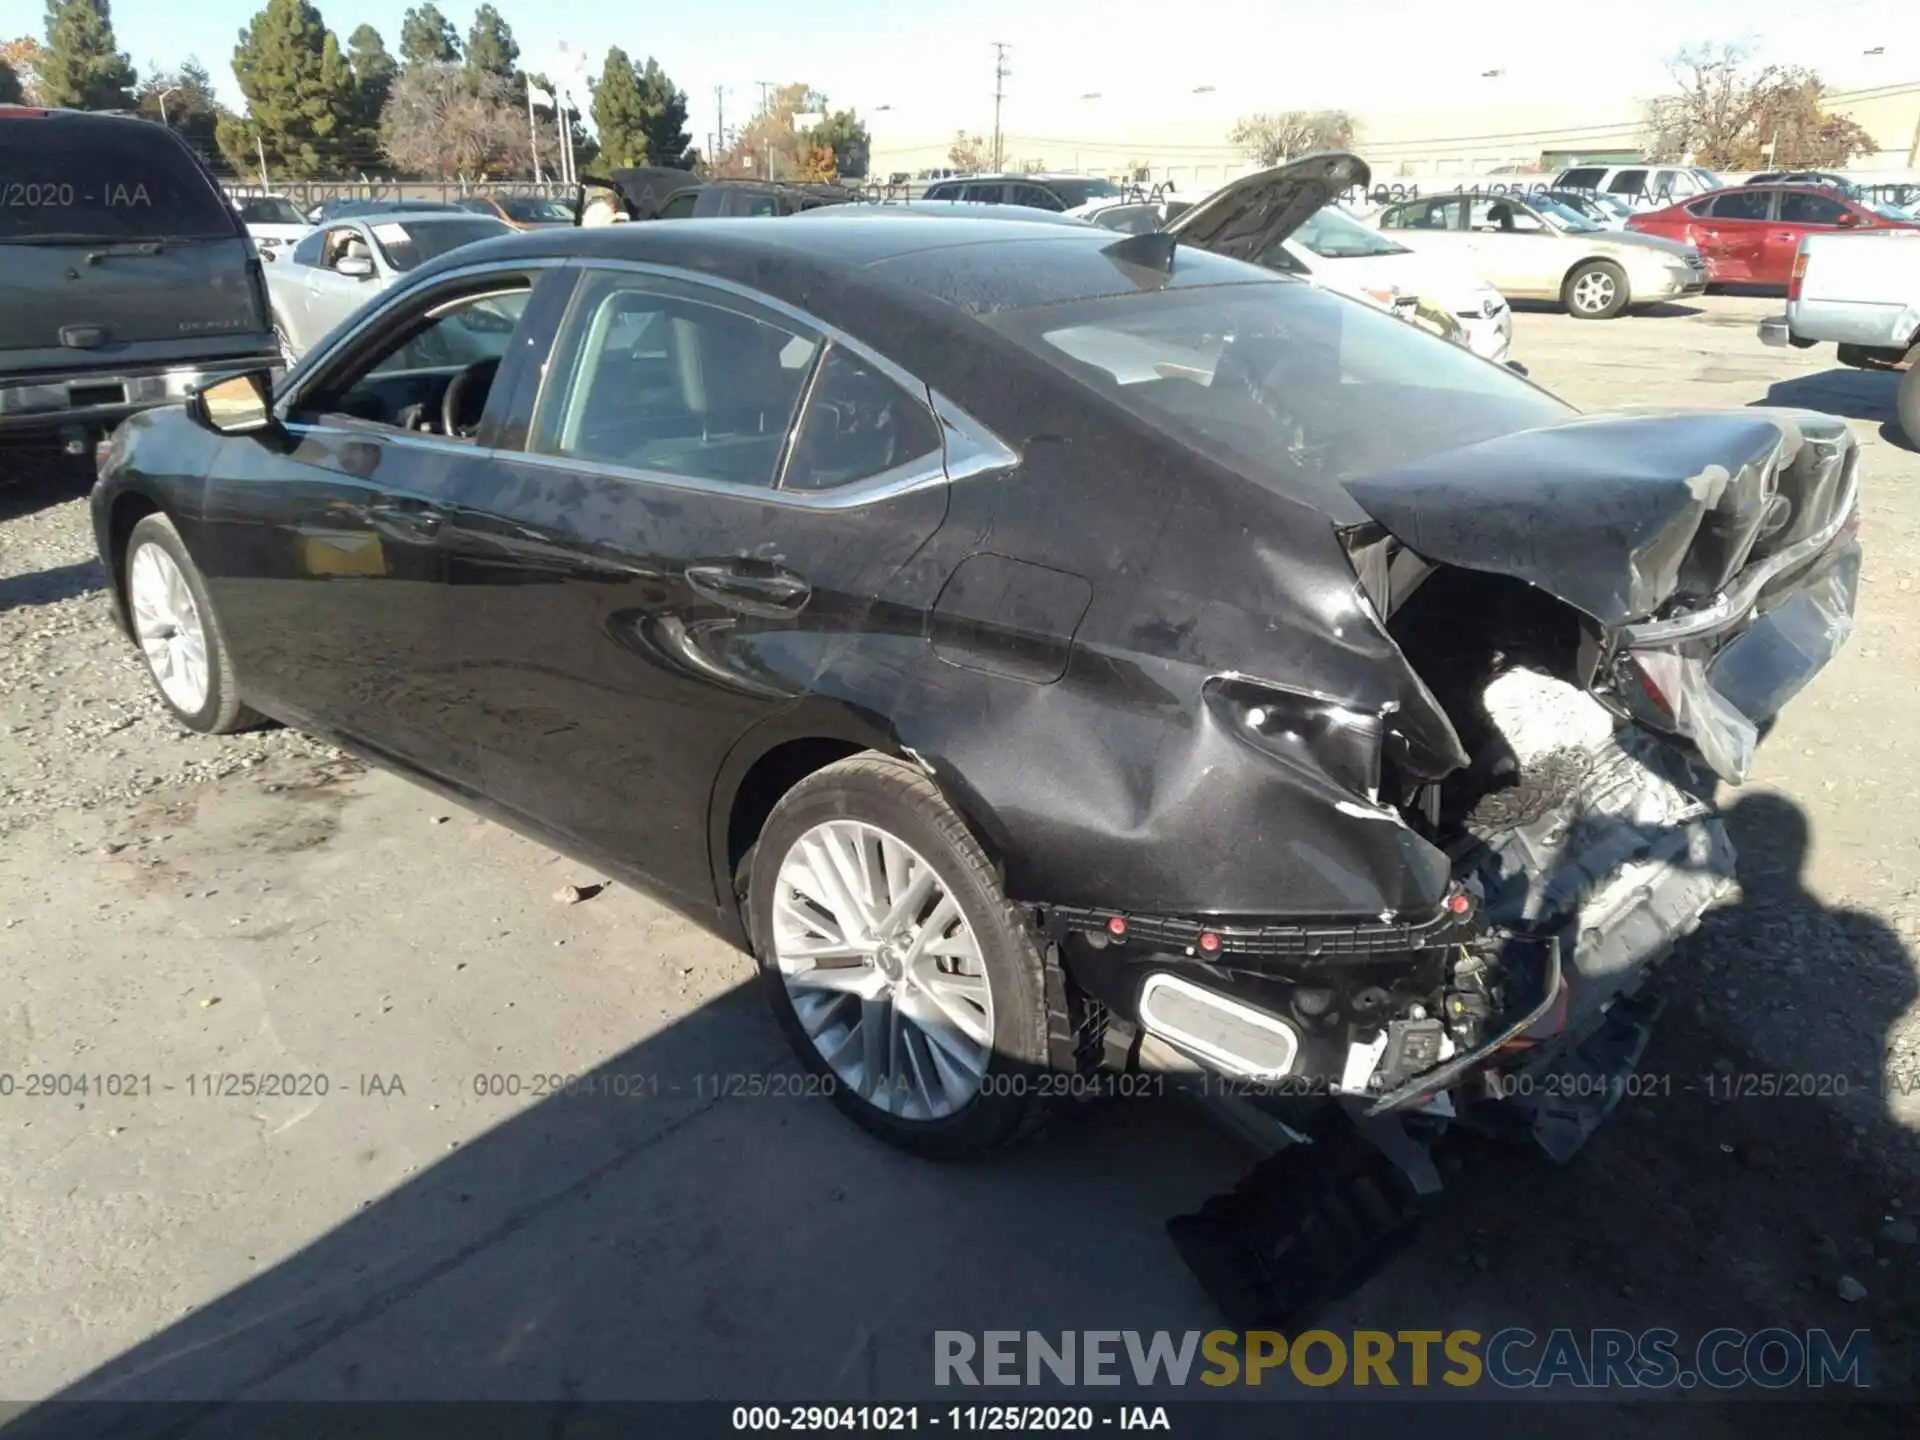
x,y
1246,219
1713,555
117,247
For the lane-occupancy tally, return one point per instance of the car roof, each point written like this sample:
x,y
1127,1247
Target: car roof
x,y
951,209
835,266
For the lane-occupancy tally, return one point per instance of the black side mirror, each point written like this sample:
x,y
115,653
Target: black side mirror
x,y
237,405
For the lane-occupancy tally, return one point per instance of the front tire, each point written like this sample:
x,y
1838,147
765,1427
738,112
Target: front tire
x,y
1596,290
902,975
1907,402
179,635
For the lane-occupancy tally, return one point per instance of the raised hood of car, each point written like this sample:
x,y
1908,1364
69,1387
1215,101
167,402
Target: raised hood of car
x,y
1246,219
1619,515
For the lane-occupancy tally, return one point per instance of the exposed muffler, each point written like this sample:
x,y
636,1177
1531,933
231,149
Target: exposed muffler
x,y
1234,1038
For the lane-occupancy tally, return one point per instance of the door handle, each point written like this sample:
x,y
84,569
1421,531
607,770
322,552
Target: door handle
x,y
770,592
415,519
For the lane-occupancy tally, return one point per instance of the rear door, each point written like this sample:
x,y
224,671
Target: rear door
x,y
712,498
116,247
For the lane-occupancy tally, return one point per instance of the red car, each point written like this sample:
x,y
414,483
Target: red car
x,y
1748,233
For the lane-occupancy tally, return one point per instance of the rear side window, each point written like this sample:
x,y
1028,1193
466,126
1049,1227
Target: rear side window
x,y
1797,207
858,423
985,194
680,207
1587,179
1036,197
1628,182
1743,205
104,180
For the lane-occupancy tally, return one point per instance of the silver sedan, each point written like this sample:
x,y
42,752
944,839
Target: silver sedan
x,y
339,267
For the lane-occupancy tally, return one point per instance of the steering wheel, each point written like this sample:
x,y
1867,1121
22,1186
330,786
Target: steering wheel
x,y
467,392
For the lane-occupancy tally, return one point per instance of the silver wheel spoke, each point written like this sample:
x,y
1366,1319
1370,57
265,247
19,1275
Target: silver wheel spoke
x,y
899,1008
169,627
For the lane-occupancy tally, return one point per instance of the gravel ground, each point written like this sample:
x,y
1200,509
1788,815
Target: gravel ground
x,y
175,904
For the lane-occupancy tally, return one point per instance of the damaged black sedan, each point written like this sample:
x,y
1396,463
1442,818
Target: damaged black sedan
x,y
1047,653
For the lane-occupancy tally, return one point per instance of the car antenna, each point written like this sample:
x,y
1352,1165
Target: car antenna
x,y
1151,251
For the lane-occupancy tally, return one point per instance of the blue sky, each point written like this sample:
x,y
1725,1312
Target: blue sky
x,y
931,61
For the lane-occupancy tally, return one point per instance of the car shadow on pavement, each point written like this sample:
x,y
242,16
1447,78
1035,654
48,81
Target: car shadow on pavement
x,y
663,1231
1848,392
49,587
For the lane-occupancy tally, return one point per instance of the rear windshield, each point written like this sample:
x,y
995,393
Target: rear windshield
x,y
409,243
1282,381
532,210
104,180
271,211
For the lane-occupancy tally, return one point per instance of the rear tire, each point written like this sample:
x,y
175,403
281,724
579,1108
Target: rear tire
x,y
906,981
179,635
1907,402
1595,290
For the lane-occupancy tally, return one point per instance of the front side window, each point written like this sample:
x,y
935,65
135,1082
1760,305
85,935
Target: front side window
x,y
858,424
1799,207
673,378
1036,197
307,252
1285,382
1583,179
1504,217
455,343
984,194
1628,182
943,192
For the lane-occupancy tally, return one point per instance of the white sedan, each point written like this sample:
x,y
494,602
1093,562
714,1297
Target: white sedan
x,y
1537,249
273,223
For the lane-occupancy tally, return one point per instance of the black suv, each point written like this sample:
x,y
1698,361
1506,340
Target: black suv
x,y
129,279
1036,192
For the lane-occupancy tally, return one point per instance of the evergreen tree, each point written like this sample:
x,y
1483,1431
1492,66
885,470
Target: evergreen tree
x,y
620,112
373,71
302,103
80,69
428,38
184,100
664,107
491,48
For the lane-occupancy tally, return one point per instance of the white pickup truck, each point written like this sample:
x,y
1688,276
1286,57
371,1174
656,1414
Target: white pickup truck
x,y
1863,293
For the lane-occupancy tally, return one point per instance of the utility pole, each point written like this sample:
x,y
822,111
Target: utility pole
x,y
1000,73
719,121
766,109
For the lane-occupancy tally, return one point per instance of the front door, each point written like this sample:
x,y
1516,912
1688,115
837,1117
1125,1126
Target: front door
x,y
1514,249
711,496
330,295
1732,235
321,543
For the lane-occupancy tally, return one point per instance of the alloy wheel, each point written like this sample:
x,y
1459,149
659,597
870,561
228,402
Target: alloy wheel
x,y
883,969
168,626
1593,291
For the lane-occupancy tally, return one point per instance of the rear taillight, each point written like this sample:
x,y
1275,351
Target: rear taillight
x,y
1799,272
22,112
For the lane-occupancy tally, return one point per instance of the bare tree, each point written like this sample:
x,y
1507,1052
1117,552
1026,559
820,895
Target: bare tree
x,y
968,153
1728,113
444,121
1272,138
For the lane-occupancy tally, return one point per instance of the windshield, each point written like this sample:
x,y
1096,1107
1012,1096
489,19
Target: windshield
x,y
1564,216
1333,235
1078,192
104,180
270,210
1708,179
532,210
407,244
1282,381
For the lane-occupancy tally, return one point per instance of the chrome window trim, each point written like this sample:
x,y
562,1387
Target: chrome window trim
x,y
315,362
410,439
968,447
